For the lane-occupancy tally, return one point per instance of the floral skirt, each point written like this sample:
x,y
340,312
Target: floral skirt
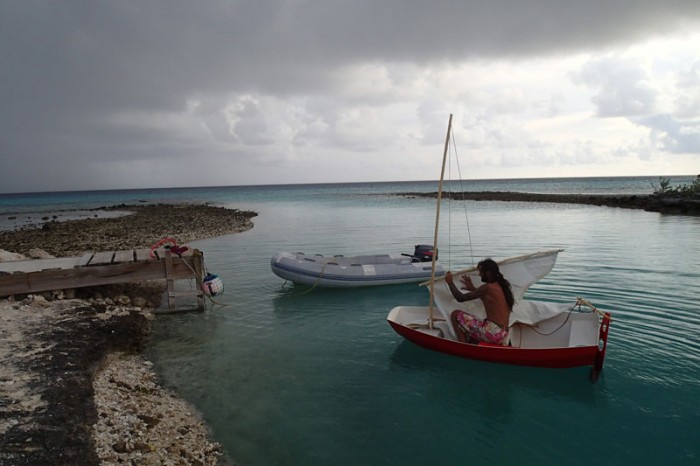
x,y
481,330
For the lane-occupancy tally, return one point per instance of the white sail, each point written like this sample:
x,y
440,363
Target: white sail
x,y
522,272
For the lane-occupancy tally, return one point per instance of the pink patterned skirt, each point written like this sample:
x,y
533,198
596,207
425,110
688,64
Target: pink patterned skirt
x,y
482,330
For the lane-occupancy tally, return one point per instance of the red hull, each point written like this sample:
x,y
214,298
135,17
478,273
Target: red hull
x,y
549,357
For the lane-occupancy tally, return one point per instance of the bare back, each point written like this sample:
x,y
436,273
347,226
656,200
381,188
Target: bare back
x,y
497,310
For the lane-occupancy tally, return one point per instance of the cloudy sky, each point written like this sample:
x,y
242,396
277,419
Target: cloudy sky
x,y
161,93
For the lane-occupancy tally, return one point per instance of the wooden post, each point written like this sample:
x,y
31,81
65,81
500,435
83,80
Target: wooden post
x,y
197,268
198,265
437,223
169,279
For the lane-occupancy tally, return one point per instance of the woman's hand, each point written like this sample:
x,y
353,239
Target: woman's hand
x,y
448,277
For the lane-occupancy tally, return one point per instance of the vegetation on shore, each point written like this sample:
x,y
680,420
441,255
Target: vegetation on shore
x,y
687,191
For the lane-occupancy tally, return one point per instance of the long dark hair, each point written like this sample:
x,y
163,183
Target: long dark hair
x,y
490,266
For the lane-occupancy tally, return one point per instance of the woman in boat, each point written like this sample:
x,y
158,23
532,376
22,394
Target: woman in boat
x,y
498,301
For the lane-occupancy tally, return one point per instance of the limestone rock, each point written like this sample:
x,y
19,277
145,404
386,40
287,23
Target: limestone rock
x,y
7,256
37,253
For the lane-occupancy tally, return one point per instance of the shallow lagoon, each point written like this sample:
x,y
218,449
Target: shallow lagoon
x,y
286,376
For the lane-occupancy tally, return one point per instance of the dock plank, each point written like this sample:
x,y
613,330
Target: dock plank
x,y
185,293
102,258
105,268
93,275
123,256
143,255
84,259
36,265
159,253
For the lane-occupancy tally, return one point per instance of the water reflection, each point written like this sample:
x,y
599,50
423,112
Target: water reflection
x,y
550,384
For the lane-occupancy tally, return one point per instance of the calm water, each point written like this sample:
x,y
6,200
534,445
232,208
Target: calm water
x,y
290,377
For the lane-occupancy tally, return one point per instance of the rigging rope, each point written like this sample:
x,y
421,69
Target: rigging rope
x,y
578,307
568,315
464,203
320,276
318,280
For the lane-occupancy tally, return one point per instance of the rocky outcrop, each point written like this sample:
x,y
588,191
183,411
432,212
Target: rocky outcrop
x,y
143,227
51,352
650,202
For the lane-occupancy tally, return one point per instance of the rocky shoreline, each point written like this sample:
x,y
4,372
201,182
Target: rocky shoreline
x,y
73,388
647,202
140,227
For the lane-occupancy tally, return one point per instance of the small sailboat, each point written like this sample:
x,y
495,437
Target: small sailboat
x,y
541,334
357,271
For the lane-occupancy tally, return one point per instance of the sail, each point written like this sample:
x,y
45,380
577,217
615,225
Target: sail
x,y
522,272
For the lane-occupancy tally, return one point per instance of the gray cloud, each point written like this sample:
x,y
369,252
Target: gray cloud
x,y
687,80
672,135
623,90
83,82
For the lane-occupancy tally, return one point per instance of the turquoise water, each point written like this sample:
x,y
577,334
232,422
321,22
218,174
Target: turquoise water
x,y
290,377
55,201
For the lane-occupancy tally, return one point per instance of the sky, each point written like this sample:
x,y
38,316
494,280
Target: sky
x,y
121,94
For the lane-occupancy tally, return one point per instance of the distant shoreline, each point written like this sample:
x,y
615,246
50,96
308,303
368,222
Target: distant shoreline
x,y
647,202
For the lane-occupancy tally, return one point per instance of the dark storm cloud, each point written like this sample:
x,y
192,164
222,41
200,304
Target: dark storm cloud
x,y
68,67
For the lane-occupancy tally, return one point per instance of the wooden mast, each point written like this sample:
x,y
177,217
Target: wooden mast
x,y
437,219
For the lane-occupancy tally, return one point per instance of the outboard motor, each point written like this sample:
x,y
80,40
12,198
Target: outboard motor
x,y
424,253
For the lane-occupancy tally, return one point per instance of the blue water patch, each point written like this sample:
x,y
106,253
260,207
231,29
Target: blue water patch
x,y
287,374
291,376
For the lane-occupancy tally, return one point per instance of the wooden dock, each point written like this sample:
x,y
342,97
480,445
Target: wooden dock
x,y
105,268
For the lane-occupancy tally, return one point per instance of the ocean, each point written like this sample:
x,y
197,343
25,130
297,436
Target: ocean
x,y
287,375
